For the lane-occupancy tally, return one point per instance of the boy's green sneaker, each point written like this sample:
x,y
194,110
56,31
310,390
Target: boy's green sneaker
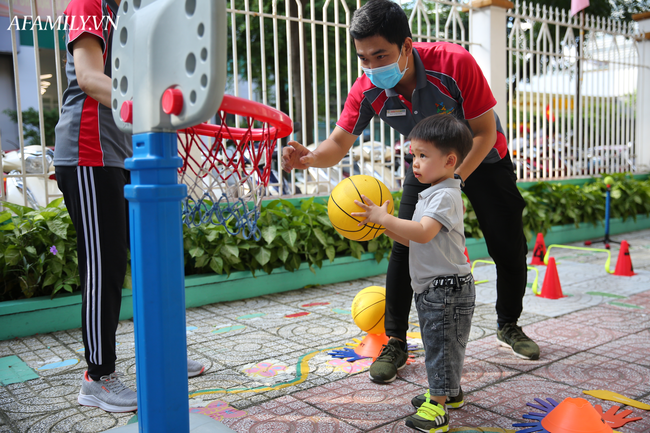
x,y
452,402
512,336
431,417
391,359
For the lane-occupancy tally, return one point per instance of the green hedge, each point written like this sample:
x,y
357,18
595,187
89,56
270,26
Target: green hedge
x,y
38,247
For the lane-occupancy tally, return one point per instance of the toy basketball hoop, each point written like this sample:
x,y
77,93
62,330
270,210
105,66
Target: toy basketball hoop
x,y
227,168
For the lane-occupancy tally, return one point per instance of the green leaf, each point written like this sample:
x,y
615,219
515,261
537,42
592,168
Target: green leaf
x,y
320,236
31,250
283,253
231,250
324,219
12,255
212,235
331,252
55,203
269,233
58,227
289,237
50,279
196,252
5,216
262,256
216,264
201,261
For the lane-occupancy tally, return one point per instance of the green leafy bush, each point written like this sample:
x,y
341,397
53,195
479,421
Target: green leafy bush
x,y
37,251
38,248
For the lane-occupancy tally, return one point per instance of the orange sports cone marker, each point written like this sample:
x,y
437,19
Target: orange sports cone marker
x,y
467,255
575,415
539,251
624,263
371,345
551,289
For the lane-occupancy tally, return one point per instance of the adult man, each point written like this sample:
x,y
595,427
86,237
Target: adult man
x,y
403,83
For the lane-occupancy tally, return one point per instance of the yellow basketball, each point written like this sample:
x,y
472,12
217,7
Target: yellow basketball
x,y
369,308
341,205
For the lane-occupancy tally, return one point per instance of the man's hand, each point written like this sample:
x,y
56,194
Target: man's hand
x,y
296,156
372,212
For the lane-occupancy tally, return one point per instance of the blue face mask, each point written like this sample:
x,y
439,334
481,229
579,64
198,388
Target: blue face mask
x,y
386,77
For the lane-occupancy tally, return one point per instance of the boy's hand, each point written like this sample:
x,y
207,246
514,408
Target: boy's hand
x,y
296,156
373,213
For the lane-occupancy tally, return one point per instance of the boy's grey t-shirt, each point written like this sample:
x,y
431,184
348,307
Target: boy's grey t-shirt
x,y
445,253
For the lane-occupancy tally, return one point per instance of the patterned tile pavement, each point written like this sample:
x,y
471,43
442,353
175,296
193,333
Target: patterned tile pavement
x,y
268,369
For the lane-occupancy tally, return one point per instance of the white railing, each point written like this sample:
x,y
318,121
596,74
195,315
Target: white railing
x,y
300,59
571,94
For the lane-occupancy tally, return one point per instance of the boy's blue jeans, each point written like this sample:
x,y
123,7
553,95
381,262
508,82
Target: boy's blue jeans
x,y
445,314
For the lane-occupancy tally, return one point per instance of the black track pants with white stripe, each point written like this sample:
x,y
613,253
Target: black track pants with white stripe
x,y
94,197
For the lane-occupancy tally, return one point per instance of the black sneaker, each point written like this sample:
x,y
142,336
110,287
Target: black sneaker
x,y
431,417
392,358
512,336
452,402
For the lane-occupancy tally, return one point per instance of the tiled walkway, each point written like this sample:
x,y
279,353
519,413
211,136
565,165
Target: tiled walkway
x,y
268,369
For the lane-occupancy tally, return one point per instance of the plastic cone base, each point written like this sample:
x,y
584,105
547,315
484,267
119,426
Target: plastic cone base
x,y
575,415
551,289
371,345
539,251
624,263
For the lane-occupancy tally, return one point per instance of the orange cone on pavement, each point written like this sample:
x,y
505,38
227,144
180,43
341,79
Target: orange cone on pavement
x,y
467,255
575,415
624,264
551,289
539,251
371,345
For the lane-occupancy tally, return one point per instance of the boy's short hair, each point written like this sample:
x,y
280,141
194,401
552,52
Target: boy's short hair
x,y
383,18
446,133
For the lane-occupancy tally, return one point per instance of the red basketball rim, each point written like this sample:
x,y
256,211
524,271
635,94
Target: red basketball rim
x,y
280,124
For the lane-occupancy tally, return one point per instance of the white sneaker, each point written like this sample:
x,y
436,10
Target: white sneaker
x,y
194,368
108,393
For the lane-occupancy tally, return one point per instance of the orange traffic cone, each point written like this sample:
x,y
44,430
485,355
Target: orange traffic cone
x,y
551,289
467,255
539,251
371,345
624,263
575,415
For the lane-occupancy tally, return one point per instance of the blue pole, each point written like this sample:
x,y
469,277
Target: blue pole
x,y
607,199
158,284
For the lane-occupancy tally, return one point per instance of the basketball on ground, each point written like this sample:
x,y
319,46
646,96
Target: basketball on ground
x,y
369,308
341,205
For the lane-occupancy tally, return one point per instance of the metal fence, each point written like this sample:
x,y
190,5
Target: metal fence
x,y
571,93
298,57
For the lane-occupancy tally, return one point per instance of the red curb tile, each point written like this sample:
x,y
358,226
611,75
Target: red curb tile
x,y
573,333
620,319
476,374
488,349
362,403
286,414
633,348
509,398
586,371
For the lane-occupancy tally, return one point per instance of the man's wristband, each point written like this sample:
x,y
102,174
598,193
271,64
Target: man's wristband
x,y
457,176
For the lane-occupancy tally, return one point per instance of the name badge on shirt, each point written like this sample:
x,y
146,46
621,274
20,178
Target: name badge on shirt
x,y
396,112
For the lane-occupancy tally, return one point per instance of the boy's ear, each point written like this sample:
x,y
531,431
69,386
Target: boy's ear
x,y
452,159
